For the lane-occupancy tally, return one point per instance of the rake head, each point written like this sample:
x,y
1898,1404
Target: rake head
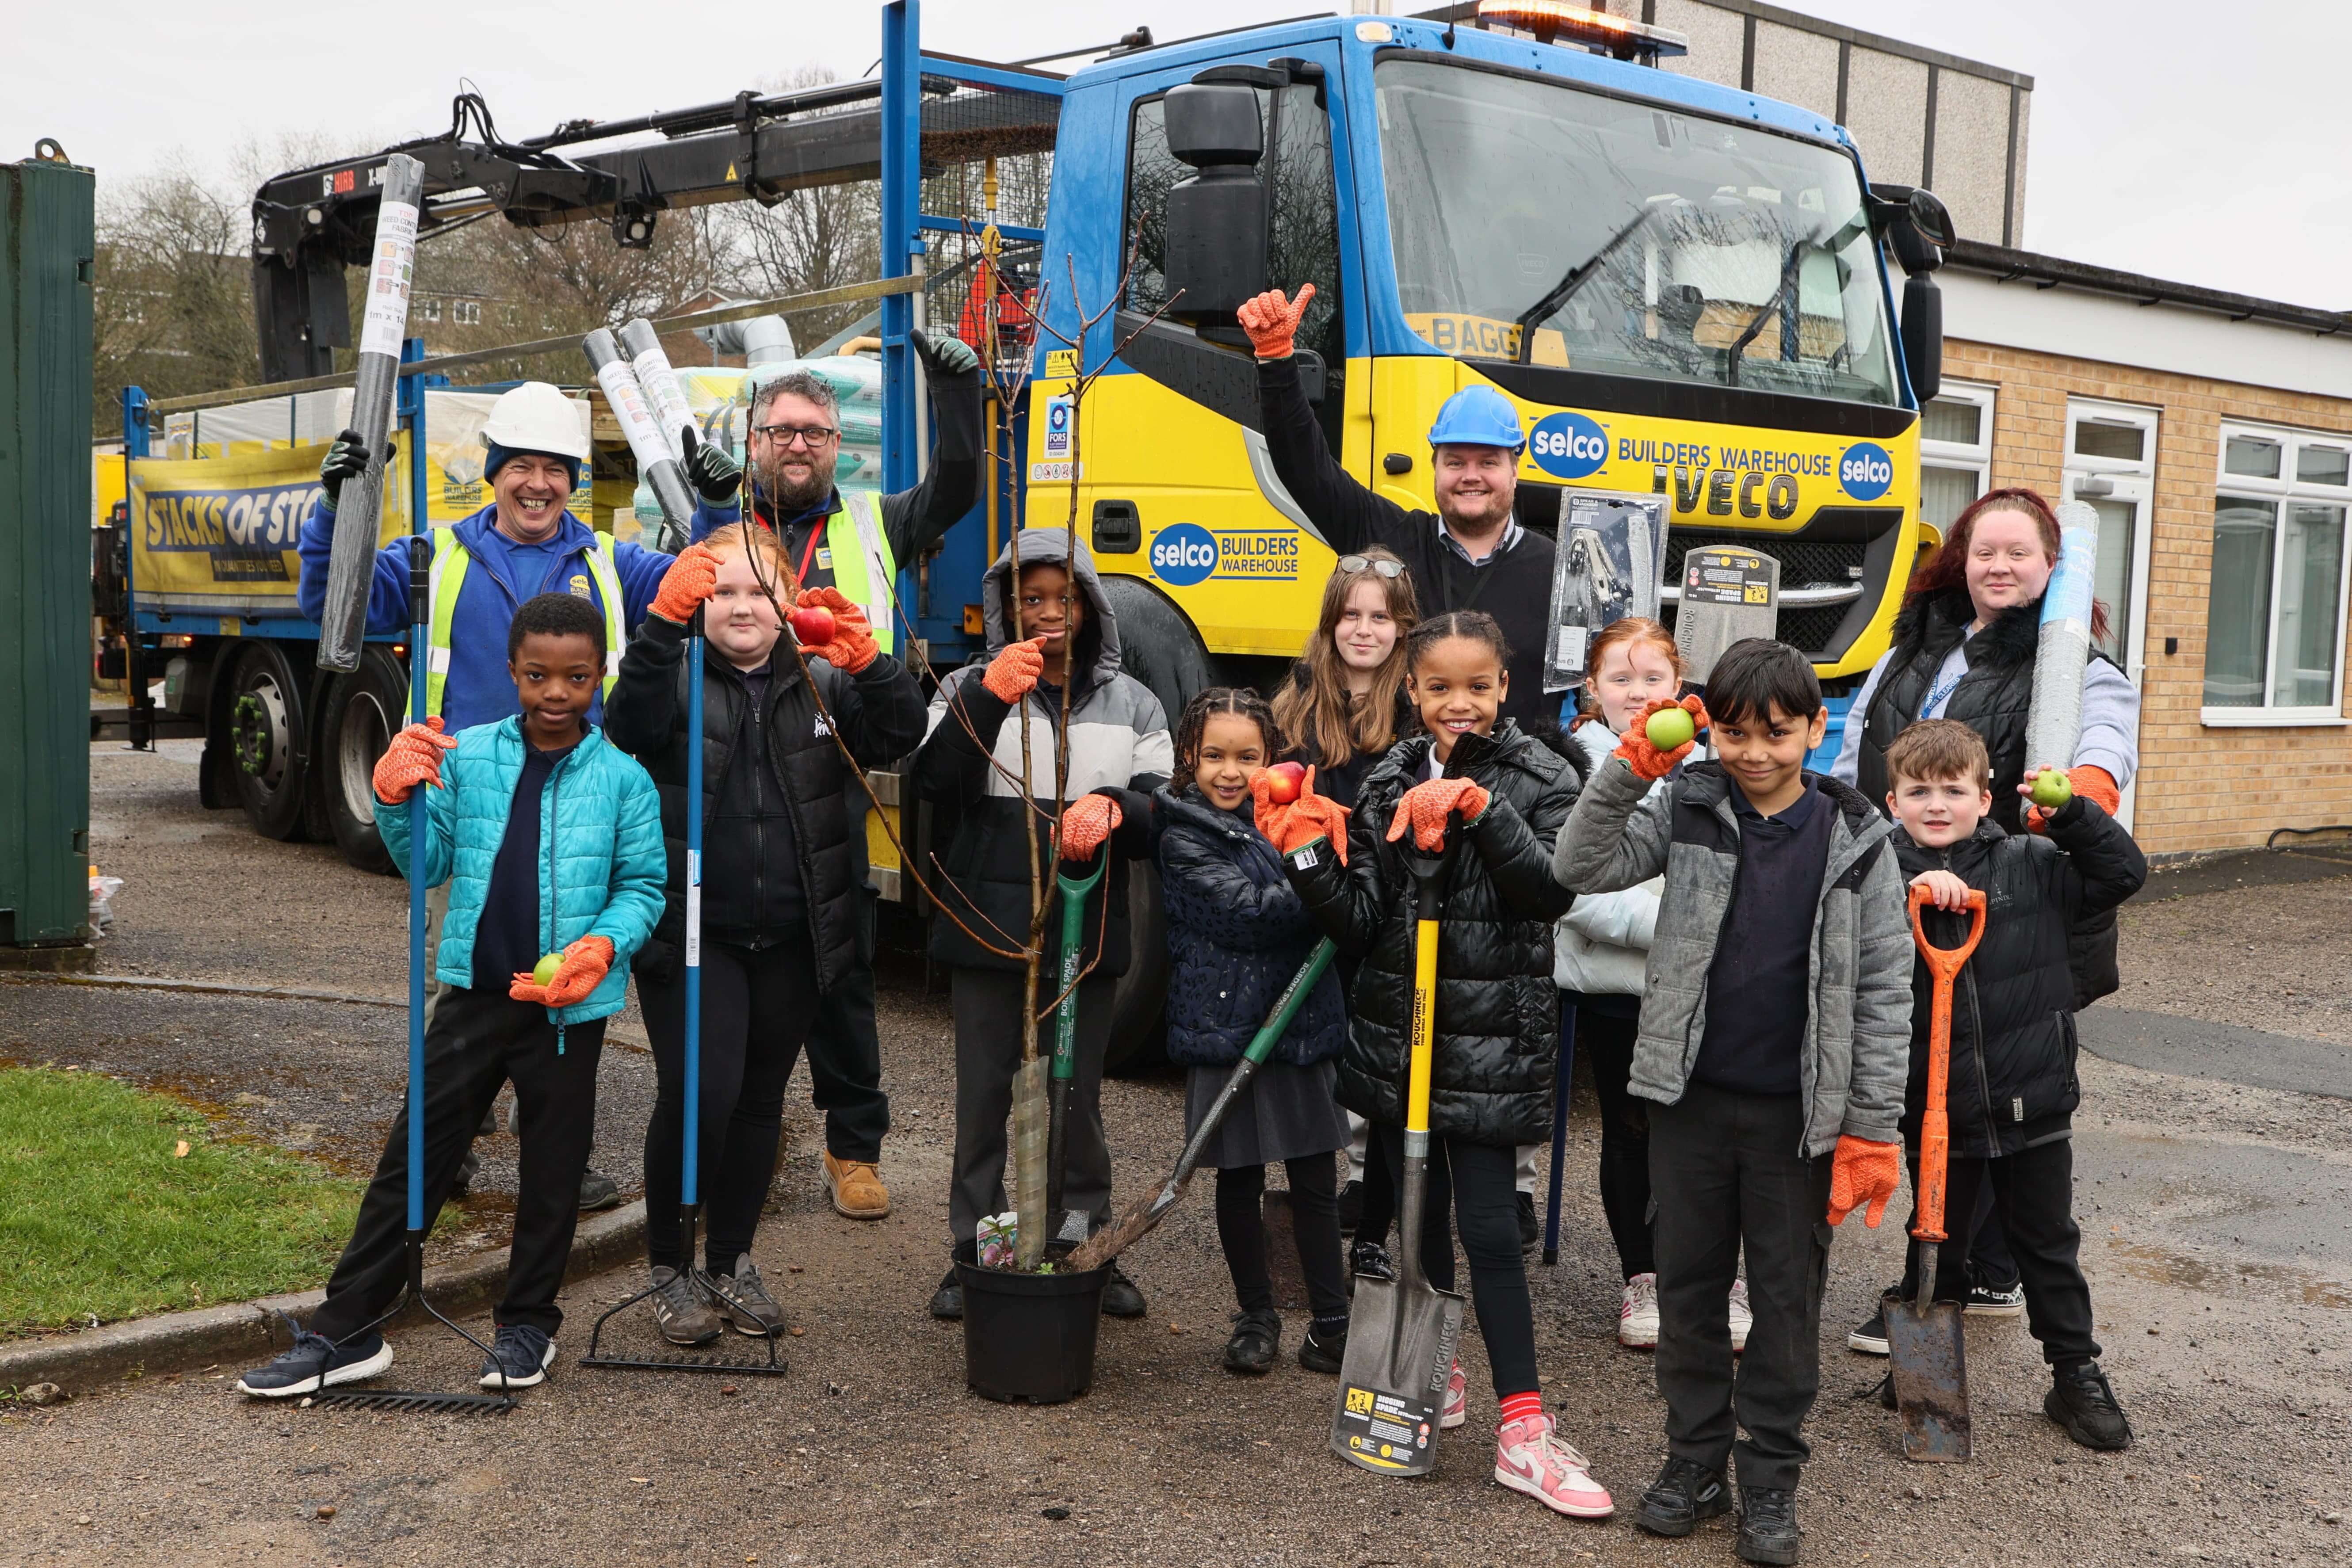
x,y
774,1366
427,1404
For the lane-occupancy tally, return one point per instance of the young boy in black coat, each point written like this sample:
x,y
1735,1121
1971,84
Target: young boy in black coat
x,y
2012,1088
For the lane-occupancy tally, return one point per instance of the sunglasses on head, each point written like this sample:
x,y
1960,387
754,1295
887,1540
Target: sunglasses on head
x,y
1366,564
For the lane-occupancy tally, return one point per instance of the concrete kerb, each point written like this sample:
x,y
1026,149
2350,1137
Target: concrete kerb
x,y
243,1333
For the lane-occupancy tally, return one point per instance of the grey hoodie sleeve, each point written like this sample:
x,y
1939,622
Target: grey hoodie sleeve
x,y
1882,1006
1848,766
1617,836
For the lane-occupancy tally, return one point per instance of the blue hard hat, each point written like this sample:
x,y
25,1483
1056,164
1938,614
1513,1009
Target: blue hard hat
x,y
1478,416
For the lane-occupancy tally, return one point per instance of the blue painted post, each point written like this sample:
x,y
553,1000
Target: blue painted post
x,y
902,118
409,399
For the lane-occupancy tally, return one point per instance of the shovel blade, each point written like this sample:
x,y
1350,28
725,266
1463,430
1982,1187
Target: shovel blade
x,y
1931,1379
1400,1347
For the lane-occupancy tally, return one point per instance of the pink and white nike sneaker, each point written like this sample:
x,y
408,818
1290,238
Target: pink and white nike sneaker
x,y
1530,1458
1457,1400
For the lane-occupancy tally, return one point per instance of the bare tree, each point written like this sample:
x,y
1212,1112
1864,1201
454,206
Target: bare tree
x,y
174,306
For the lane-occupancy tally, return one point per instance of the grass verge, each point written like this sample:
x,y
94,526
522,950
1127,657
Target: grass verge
x,y
100,1212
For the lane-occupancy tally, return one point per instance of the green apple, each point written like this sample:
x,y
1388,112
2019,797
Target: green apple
x,y
1671,727
544,971
2051,789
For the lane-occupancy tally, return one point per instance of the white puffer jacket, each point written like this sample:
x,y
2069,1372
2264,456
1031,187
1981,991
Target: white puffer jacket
x,y
1601,945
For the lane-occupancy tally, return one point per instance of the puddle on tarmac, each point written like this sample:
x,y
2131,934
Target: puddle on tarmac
x,y
2232,1277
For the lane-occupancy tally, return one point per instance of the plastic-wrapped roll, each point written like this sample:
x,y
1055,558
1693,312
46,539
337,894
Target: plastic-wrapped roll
x,y
1030,1133
654,461
663,393
359,509
2053,721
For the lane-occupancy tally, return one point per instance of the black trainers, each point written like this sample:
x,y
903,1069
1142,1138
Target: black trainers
x,y
947,1302
316,1363
2082,1401
1767,1525
1323,1350
518,1357
1995,1300
1120,1298
1351,1207
1685,1493
1869,1336
1369,1260
1257,1339
598,1191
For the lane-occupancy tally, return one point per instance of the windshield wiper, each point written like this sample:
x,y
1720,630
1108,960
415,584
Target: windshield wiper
x,y
1575,278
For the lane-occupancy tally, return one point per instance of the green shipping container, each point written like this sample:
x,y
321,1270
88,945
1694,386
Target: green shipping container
x,y
46,250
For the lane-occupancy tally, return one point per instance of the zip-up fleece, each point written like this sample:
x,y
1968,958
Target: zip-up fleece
x,y
2013,1074
1856,1050
600,851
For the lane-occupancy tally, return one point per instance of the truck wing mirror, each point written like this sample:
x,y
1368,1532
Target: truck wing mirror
x,y
1216,235
1922,334
1932,219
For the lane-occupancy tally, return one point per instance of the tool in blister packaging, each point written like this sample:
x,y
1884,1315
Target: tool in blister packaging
x,y
1926,1348
1138,1222
1404,1332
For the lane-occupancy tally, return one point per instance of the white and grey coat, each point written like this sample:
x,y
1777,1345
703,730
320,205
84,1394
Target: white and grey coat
x,y
1858,1039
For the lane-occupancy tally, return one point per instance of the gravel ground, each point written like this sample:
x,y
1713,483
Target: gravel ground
x,y
2215,1239
2273,958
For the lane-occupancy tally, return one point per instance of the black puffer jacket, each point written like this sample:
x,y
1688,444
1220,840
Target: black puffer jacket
x,y
2012,1075
1342,779
756,835
1498,1018
1237,931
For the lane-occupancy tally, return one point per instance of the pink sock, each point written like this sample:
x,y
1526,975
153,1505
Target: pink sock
x,y
1520,1407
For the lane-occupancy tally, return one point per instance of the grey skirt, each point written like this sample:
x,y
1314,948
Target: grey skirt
x,y
1287,1114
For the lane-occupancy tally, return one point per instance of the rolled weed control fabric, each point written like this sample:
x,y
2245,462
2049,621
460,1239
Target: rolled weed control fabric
x,y
655,462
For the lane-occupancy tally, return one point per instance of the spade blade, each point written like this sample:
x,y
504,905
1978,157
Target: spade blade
x,y
1400,1348
1931,1379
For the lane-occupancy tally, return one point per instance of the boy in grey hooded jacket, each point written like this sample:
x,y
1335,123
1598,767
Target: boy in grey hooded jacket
x,y
1804,1060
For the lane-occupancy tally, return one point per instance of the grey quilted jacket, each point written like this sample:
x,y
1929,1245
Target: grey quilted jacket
x,y
1858,1039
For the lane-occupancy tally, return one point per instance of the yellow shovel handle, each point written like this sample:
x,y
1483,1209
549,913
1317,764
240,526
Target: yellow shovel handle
x,y
1424,1002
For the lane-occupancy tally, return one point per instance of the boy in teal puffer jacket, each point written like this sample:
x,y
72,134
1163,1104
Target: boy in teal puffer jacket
x,y
550,840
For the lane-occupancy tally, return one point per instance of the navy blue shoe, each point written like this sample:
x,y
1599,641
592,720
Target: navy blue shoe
x,y
316,1363
518,1358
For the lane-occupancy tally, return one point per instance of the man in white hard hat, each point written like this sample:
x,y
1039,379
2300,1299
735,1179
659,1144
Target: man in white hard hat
x,y
522,544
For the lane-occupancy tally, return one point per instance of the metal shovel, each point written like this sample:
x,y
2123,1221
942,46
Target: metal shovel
x,y
1400,1344
1924,1340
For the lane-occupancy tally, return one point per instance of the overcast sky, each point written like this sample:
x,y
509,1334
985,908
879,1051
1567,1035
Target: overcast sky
x,y
2205,143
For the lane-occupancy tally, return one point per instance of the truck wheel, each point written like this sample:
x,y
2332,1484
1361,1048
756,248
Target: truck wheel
x,y
1138,1031
266,722
1157,646
364,710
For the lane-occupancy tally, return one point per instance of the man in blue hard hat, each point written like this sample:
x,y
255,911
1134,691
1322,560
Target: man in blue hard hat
x,y
1472,553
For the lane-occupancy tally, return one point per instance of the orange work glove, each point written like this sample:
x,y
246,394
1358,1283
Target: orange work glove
x,y
1272,321
852,646
585,966
2088,780
1289,824
414,758
691,578
1647,760
1426,806
1086,823
1863,1173
1011,673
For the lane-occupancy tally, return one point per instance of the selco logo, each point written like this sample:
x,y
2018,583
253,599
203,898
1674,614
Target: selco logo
x,y
1865,470
1569,445
1183,553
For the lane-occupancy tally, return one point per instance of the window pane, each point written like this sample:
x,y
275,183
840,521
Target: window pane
x,y
1945,493
1949,419
2251,455
2237,615
2112,582
2098,438
2303,671
2321,465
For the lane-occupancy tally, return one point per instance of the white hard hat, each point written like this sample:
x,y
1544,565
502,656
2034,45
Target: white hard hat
x,y
537,417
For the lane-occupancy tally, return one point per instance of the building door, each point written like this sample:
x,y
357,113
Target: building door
x,y
2111,467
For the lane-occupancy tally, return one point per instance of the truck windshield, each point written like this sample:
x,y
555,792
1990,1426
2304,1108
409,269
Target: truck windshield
x,y
1536,222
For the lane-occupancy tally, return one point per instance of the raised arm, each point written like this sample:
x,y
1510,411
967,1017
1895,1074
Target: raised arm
x,y
1617,835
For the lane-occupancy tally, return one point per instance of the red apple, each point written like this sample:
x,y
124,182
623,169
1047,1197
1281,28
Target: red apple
x,y
1288,779
811,626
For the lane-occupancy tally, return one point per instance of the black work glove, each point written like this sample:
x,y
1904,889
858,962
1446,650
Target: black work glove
x,y
715,475
943,354
348,460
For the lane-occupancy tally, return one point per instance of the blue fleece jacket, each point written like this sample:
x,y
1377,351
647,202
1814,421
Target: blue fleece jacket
x,y
503,575
602,865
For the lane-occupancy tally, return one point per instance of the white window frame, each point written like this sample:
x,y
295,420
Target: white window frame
x,y
2283,492
465,313
430,308
2131,481
1976,459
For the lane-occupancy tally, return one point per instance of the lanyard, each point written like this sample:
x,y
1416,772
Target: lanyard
x,y
808,550
1942,689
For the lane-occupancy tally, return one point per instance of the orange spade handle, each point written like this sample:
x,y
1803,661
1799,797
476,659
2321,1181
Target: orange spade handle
x,y
1935,1125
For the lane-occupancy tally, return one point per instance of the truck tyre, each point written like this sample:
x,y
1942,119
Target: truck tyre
x,y
1159,647
364,710
266,722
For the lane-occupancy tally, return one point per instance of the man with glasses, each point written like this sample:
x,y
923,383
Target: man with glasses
x,y
853,540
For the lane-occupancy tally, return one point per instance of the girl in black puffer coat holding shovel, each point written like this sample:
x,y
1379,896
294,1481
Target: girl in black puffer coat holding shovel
x,y
1496,799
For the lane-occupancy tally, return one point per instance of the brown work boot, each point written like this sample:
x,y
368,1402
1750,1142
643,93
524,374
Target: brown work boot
x,y
856,1187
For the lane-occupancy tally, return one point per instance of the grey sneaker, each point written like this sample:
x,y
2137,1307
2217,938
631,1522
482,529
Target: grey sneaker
x,y
744,1301
598,1191
682,1308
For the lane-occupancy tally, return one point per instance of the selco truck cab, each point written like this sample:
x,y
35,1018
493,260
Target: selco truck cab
x,y
1679,286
